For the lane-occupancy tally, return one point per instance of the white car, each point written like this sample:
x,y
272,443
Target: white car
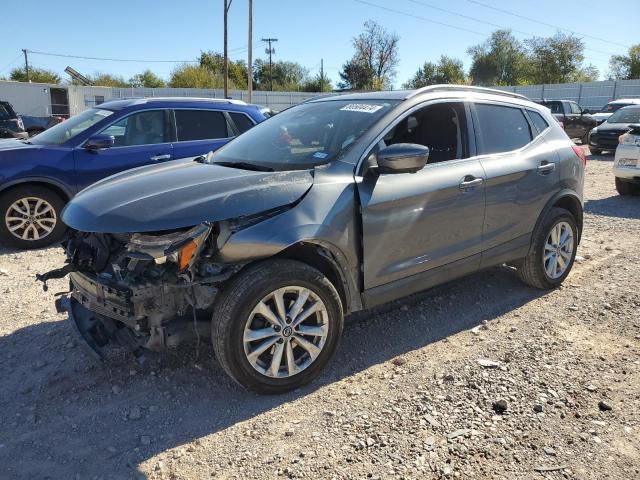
x,y
626,165
611,107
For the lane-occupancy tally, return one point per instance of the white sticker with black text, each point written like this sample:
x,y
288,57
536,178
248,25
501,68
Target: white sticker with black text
x,y
361,107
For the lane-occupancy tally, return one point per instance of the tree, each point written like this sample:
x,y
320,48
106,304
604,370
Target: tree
x,y
558,59
147,79
36,75
286,75
317,84
626,67
500,60
214,63
108,80
374,62
447,70
194,76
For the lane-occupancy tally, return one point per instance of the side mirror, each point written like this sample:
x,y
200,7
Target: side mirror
x,y
402,158
98,142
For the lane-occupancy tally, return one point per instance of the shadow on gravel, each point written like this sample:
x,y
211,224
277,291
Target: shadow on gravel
x,y
62,416
615,206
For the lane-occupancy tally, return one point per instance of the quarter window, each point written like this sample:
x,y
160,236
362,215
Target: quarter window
x,y
200,125
142,128
502,129
242,122
538,121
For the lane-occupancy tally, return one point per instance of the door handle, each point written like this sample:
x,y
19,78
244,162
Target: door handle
x,y
546,167
156,158
470,182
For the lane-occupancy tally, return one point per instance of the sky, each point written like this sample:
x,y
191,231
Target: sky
x,y
307,31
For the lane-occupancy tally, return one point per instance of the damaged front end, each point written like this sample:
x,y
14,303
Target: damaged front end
x,y
151,290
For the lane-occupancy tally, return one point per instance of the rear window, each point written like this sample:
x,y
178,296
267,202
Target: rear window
x,y
502,128
200,125
555,107
242,122
538,121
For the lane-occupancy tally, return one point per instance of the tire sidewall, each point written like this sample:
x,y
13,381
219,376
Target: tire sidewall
x,y
8,198
239,364
551,223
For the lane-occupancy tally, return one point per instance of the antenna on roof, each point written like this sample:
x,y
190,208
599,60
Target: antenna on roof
x,y
78,77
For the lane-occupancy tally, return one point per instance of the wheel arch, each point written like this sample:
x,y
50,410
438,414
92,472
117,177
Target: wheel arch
x,y
56,187
568,200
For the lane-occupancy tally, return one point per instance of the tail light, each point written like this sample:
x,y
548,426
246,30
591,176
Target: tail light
x,y
580,153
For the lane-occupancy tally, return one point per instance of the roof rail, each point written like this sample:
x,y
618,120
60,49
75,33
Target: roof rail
x,y
188,99
466,88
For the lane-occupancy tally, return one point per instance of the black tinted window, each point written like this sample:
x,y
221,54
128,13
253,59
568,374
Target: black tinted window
x,y
243,123
555,107
200,125
502,129
539,122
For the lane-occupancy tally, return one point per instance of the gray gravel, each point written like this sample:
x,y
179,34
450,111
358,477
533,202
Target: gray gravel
x,y
480,378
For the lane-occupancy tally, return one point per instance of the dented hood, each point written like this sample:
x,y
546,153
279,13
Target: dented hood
x,y
180,194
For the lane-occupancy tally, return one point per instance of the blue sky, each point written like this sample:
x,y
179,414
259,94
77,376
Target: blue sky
x,y
307,30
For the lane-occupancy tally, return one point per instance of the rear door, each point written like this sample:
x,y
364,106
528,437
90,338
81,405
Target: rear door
x,y
200,131
521,170
141,138
414,222
573,125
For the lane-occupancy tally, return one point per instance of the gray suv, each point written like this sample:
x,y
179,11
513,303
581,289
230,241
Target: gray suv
x,y
330,207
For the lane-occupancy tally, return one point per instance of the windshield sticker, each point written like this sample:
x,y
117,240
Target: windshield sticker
x,y
320,155
361,107
104,113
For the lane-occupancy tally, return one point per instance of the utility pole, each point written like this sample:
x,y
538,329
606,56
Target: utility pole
x,y
250,59
322,74
227,5
270,51
26,64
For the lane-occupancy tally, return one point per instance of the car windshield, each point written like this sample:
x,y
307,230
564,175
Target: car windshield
x,y
303,136
613,107
68,129
625,115
4,113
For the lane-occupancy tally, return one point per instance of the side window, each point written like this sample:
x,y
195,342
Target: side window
x,y
538,121
441,127
555,107
200,125
142,128
502,128
575,108
242,122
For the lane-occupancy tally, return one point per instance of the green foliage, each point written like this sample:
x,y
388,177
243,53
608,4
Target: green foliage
x,y
214,63
500,60
317,84
108,80
147,79
626,67
36,75
373,65
447,70
557,59
286,75
194,76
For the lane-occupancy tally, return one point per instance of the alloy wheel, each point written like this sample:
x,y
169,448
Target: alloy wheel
x,y
286,331
30,218
558,250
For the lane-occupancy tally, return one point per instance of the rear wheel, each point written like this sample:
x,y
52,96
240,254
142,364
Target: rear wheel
x,y
552,251
595,151
626,188
31,217
276,325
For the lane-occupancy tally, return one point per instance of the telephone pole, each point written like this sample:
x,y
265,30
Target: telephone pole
x,y
322,74
250,59
26,64
270,51
227,5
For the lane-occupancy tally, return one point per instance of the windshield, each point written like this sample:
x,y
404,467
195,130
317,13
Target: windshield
x,y
304,136
68,129
5,114
625,115
613,107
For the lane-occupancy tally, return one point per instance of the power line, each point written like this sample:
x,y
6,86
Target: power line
x,y
37,52
10,64
557,27
475,19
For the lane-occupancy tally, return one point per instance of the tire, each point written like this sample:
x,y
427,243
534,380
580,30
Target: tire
x,y
626,188
40,224
595,151
533,271
234,313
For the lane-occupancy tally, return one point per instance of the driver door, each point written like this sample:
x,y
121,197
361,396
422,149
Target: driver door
x,y
141,138
414,223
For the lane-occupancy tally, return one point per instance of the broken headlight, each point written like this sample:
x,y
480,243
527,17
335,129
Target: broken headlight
x,y
180,248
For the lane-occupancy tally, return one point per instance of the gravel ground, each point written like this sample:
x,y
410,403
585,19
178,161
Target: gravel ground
x,y
480,378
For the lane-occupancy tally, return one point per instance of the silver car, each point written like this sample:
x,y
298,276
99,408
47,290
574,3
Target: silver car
x,y
330,207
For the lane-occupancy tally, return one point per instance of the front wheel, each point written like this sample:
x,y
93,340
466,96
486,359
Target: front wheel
x,y
595,151
276,325
626,188
552,252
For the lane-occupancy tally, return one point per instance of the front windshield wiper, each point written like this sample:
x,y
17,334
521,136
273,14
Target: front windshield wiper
x,y
245,166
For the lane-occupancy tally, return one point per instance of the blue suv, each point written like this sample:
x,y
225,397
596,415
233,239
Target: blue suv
x,y
40,175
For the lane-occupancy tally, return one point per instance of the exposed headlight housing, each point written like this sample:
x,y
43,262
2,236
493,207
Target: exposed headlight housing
x,y
629,139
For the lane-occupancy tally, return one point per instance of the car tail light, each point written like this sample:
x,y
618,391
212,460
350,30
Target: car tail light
x,y
580,153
